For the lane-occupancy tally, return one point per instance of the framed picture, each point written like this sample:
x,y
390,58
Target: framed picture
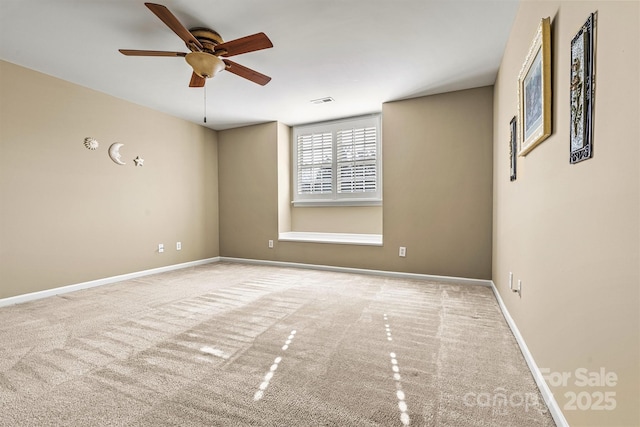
x,y
582,92
534,91
513,147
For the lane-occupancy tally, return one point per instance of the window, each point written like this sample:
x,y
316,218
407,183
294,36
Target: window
x,y
338,163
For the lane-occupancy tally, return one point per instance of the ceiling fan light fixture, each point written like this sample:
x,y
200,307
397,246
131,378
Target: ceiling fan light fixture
x,y
205,64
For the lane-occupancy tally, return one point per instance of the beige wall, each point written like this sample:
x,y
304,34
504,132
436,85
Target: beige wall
x,y
334,219
437,191
248,178
68,214
571,232
437,182
284,177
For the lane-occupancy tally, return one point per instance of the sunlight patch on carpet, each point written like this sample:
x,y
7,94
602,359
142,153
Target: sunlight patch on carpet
x,y
402,405
214,352
269,375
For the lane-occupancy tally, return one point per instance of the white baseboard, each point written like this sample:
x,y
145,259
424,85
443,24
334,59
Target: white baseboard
x,y
552,404
99,282
93,283
445,279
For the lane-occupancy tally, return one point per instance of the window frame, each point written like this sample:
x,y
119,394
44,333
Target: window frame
x,y
335,198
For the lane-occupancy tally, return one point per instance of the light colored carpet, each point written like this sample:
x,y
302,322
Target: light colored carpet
x,y
232,344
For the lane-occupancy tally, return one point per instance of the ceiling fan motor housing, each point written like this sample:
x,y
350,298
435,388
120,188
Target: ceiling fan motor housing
x,y
207,37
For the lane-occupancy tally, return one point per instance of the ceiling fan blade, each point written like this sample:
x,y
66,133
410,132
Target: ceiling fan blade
x,y
246,44
247,73
131,52
172,22
196,80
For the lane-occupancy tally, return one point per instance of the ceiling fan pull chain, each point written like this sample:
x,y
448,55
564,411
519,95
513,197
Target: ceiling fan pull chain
x,y
205,103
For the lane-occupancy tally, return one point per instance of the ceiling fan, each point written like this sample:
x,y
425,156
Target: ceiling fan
x,y
209,52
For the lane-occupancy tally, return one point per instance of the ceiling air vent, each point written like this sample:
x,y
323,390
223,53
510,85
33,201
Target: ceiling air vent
x,y
322,100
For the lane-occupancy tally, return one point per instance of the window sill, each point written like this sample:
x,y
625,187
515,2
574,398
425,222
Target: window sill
x,y
335,238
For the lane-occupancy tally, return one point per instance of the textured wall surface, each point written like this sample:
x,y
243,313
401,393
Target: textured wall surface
x,y
70,215
571,233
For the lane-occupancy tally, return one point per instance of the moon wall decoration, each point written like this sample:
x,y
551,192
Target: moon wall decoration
x,y
114,153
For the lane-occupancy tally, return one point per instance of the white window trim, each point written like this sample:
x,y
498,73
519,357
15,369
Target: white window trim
x,y
335,199
336,202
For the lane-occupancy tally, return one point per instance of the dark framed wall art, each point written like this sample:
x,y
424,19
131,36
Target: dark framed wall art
x,y
513,147
582,90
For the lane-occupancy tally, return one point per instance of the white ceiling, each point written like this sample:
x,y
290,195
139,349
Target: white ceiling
x,y
360,52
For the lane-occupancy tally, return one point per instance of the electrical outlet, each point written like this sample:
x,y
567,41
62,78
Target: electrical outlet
x,y
270,244
402,252
519,289
160,248
178,246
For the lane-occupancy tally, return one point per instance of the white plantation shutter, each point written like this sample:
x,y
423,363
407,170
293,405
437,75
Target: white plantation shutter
x,y
356,163
315,157
338,162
